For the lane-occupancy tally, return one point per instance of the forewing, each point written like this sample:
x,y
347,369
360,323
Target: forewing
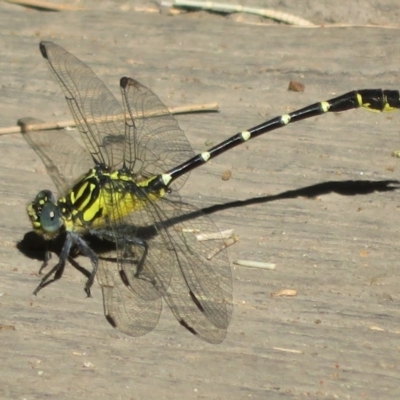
x,y
65,159
154,141
96,112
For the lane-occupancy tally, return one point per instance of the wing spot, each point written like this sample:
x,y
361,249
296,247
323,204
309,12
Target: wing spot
x,y
124,278
111,321
185,325
196,301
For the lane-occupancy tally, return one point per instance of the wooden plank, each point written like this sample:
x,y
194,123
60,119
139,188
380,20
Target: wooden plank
x,y
339,252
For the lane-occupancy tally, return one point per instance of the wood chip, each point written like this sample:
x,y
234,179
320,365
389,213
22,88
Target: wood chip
x,y
255,264
46,5
377,328
227,243
7,328
226,234
285,293
226,175
237,8
296,86
288,350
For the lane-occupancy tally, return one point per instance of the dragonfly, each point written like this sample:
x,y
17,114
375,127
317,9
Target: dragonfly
x,y
134,160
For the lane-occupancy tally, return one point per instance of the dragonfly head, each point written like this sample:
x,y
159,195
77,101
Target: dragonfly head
x,y
45,215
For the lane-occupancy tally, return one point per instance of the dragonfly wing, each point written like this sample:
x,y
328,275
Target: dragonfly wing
x,y
132,303
158,255
97,113
188,314
193,276
72,159
123,308
154,141
200,292
145,256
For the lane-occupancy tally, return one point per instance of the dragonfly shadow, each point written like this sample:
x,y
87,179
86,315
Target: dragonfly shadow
x,y
344,188
33,246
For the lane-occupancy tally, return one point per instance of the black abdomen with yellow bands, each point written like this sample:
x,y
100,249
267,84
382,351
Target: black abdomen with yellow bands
x,y
372,99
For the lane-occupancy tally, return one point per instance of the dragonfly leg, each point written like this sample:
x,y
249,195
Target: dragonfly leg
x,y
47,257
87,252
58,269
145,246
125,244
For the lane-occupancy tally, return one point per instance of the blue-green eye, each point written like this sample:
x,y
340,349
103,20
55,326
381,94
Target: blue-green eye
x,y
50,218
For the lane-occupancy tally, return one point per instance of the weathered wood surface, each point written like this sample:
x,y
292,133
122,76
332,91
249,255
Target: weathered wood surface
x,y
340,252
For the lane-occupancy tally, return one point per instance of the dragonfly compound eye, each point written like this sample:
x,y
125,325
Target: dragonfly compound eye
x,y
50,218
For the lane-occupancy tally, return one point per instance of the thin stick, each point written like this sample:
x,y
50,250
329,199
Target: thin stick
x,y
63,124
46,5
229,8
